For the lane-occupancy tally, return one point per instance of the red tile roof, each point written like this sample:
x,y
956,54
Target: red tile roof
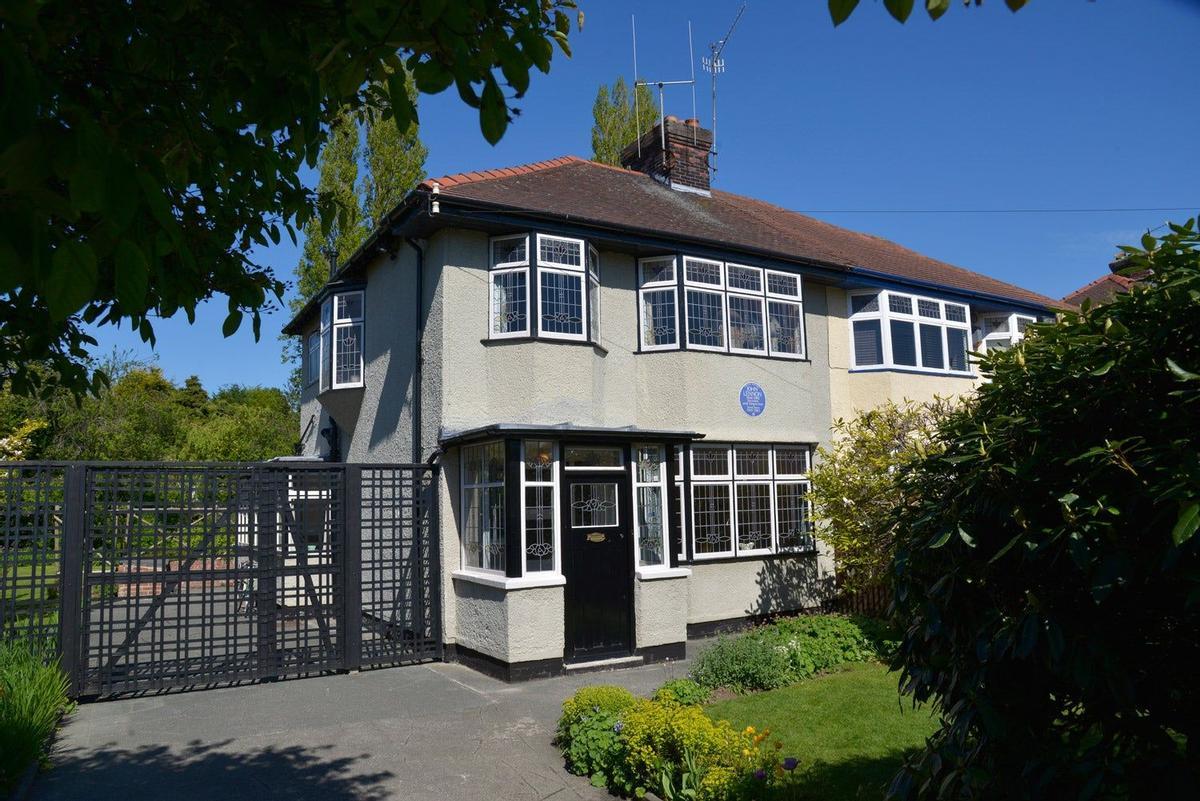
x,y
1102,290
573,188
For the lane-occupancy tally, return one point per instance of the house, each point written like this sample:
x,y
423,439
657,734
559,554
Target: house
x,y
624,374
1107,286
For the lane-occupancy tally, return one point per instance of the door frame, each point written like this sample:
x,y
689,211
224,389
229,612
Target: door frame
x,y
625,501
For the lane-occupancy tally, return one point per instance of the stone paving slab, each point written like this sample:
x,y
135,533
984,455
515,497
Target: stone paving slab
x,y
439,731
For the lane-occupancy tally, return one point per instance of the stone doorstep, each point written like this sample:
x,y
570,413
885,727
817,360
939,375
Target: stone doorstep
x,y
572,668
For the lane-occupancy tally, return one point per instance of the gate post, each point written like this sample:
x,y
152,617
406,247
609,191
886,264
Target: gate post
x,y
70,576
350,620
266,514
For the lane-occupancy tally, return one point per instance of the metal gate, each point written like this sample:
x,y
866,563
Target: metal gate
x,y
155,576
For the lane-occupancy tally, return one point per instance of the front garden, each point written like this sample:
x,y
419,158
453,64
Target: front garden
x,y
797,709
33,698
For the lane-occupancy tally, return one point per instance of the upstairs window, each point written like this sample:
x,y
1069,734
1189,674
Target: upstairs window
x,y
657,303
898,330
341,341
544,286
312,358
509,284
726,307
1001,331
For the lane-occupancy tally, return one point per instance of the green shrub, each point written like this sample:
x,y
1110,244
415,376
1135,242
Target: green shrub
x,y
785,652
743,664
590,701
33,696
1048,577
588,732
685,692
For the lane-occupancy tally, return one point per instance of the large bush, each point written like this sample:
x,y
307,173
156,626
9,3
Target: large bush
x,y
855,487
33,695
1050,575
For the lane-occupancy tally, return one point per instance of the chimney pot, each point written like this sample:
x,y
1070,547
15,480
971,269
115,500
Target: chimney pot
x,y
672,118
692,121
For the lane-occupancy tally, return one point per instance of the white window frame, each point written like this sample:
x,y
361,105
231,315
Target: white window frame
x,y
556,450
463,489
732,479
796,300
885,316
312,358
637,483
336,323
1011,336
578,268
506,268
708,290
704,284
593,301
665,285
752,295
581,276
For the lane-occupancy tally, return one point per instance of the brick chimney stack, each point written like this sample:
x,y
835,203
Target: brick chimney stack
x,y
683,164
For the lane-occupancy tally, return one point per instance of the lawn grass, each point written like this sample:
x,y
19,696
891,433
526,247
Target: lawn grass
x,y
851,727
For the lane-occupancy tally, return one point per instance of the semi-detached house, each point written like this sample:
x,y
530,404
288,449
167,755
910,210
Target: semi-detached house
x,y
624,374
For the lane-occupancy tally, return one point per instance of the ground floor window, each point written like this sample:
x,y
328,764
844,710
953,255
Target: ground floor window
x,y
650,491
483,507
749,500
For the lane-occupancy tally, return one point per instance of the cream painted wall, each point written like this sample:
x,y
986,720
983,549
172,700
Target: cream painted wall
x,y
514,625
735,589
540,382
857,391
660,610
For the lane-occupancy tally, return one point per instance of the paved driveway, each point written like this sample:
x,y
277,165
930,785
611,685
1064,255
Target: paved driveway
x,y
437,731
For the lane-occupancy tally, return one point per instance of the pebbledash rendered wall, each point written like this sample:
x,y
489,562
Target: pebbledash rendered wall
x,y
484,382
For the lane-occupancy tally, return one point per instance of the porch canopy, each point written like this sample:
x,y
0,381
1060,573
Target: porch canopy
x,y
566,431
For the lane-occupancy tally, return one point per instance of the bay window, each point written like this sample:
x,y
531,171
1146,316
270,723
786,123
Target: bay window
x,y
483,508
539,493
509,284
650,492
340,363
750,500
1001,331
891,329
561,268
726,307
312,358
543,286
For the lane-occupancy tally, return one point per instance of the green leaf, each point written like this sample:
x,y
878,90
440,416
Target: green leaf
x,y
966,538
840,10
430,77
232,321
942,540
72,280
493,113
1185,375
132,276
1186,525
1104,368
936,8
899,9
1015,5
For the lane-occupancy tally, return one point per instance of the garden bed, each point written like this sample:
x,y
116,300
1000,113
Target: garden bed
x,y
33,698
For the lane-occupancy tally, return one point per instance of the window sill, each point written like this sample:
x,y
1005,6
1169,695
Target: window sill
x,y
656,573
908,371
510,583
739,354
599,349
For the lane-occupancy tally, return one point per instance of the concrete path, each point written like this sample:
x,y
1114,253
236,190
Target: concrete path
x,y
436,731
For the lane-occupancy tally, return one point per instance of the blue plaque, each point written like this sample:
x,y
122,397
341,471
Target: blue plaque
x,y
753,399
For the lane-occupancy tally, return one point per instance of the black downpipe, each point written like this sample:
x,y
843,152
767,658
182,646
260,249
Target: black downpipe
x,y
419,359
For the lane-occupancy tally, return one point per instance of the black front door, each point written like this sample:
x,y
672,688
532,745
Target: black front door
x,y
598,564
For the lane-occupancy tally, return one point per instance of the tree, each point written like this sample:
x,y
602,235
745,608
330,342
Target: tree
x,y
1047,577
395,161
614,122
840,10
855,486
148,149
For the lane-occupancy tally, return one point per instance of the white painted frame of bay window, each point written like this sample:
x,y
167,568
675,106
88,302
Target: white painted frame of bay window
x,y
796,300
644,287
348,322
884,315
506,268
556,571
663,500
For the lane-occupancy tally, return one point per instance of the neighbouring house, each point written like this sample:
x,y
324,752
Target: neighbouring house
x,y
624,374
1107,286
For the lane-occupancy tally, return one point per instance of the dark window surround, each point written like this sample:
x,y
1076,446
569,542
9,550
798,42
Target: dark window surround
x,y
533,290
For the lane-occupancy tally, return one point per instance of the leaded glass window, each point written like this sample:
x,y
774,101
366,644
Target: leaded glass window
x,y
483,507
705,319
312,358
561,299
558,251
594,504
650,490
510,302
341,340
539,487
748,279
659,322
785,328
762,507
746,324
702,271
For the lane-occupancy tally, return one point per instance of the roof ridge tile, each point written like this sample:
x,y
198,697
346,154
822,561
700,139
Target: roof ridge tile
x,y
460,178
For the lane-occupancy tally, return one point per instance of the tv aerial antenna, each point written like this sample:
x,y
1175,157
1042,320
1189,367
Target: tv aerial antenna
x,y
714,64
662,87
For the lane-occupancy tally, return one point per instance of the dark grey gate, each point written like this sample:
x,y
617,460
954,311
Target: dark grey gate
x,y
173,575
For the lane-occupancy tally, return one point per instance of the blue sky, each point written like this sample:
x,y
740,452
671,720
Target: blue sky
x,y
1068,104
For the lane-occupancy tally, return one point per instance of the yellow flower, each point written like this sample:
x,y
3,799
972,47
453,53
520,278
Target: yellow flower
x,y
745,752
749,730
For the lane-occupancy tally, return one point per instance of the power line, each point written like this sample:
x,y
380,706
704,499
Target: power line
x,y
995,211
